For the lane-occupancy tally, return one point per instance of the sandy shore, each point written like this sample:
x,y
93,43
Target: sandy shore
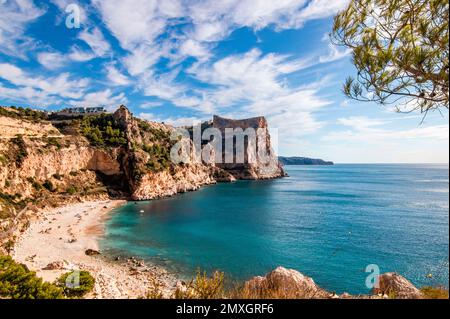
x,y
61,237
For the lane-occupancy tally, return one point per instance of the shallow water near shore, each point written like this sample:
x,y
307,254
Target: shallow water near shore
x,y
328,222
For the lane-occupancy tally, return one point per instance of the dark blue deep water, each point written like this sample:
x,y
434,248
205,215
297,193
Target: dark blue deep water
x,y
329,222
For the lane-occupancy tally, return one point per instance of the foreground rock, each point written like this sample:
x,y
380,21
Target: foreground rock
x,y
284,283
396,286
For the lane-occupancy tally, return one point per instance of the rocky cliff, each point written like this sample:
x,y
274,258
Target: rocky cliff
x,y
246,148
43,156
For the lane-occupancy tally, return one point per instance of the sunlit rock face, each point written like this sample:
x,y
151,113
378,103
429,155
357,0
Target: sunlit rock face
x,y
250,148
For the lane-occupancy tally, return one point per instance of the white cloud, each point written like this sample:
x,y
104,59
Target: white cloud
x,y
334,54
142,58
80,55
194,48
116,77
151,104
104,98
60,85
51,60
15,16
371,130
174,121
134,22
28,95
95,39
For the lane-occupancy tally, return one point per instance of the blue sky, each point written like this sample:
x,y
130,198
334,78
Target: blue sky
x,y
183,61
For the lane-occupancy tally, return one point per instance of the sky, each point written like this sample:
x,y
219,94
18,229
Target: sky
x,y
181,62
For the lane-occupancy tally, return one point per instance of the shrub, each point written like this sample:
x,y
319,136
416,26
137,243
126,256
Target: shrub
x,y
434,292
76,283
18,282
3,160
71,190
58,176
49,186
73,173
102,130
203,287
21,152
34,183
52,141
159,157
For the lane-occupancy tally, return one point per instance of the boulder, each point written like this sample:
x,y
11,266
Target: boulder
x,y
283,283
56,265
92,252
396,286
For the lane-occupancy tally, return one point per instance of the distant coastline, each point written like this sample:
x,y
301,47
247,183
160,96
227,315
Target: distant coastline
x,y
302,161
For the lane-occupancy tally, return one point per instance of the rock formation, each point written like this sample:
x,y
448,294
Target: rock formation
x,y
117,154
284,283
396,286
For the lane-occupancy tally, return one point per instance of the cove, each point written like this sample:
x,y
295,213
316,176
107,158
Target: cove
x,y
328,222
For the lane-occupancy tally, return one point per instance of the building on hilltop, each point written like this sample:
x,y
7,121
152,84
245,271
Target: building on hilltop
x,y
83,110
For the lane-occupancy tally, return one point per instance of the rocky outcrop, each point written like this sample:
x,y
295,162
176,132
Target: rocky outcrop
x,y
396,286
163,184
260,160
284,283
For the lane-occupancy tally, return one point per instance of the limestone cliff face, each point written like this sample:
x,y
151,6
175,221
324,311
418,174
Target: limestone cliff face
x,y
260,160
140,167
165,183
44,161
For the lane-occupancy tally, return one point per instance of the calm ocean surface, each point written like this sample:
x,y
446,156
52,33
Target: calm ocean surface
x,y
329,222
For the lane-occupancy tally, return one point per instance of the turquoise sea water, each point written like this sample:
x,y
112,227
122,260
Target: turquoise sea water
x,y
329,222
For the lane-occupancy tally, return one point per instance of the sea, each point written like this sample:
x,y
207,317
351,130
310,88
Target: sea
x,y
337,224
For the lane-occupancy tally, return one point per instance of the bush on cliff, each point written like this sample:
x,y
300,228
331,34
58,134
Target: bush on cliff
x,y
203,287
23,113
159,157
20,150
101,130
76,283
434,293
18,282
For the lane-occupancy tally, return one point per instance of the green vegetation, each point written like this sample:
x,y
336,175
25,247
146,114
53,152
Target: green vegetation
x,y
101,130
36,185
49,186
3,160
71,190
76,283
20,149
400,50
9,204
73,173
203,287
52,141
18,282
58,176
434,293
23,113
159,157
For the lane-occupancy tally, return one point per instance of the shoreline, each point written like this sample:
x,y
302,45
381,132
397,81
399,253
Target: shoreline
x,y
56,242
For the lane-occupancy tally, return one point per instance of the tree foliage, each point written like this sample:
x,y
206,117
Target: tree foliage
x,y
77,283
400,50
17,282
102,130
